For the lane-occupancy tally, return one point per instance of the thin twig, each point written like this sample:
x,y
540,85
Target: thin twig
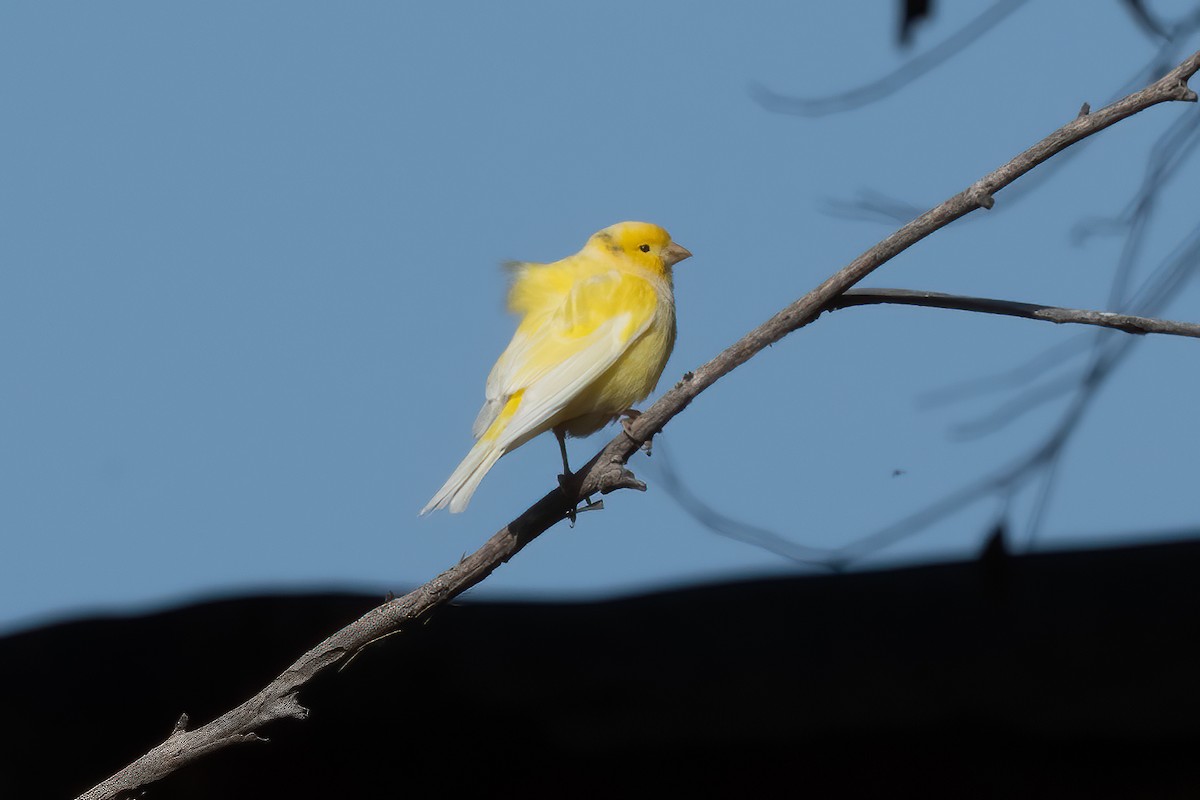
x,y
1009,308
606,472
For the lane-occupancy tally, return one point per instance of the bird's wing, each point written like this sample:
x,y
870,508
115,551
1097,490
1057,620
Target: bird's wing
x,y
555,355
537,290
540,288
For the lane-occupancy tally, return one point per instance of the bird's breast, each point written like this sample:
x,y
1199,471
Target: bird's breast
x,y
630,379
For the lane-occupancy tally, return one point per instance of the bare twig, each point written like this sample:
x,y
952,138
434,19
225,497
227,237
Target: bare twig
x,y
1103,319
606,472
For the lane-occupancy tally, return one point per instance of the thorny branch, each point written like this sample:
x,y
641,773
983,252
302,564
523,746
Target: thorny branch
x,y
605,472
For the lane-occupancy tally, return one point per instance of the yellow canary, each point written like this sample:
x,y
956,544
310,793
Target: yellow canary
x,y
595,333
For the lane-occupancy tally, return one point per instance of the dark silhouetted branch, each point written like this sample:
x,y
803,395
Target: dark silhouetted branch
x,y
1049,358
1148,22
730,528
897,79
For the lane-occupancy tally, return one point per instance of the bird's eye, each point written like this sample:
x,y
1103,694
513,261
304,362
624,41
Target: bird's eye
x,y
645,248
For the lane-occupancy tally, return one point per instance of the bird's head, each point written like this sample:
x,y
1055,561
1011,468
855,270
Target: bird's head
x,y
646,245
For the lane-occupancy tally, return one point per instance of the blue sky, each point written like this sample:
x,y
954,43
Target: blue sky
x,y
250,287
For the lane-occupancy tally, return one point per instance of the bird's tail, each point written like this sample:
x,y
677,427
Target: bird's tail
x,y
457,490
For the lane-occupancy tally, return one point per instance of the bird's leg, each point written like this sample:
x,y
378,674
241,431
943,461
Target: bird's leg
x,y
562,448
564,479
632,414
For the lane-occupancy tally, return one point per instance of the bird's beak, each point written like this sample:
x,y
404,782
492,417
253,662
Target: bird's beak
x,y
675,253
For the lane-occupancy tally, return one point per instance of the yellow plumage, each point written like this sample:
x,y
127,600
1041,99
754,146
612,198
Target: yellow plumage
x,y
596,330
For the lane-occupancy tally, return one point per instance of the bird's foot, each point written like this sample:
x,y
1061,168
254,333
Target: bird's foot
x,y
588,505
629,415
565,484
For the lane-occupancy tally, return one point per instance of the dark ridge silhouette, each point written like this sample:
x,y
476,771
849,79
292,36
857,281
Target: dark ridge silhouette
x,y
1068,674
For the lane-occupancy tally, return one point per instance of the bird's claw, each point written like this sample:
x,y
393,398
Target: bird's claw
x,y
621,478
628,417
588,505
566,485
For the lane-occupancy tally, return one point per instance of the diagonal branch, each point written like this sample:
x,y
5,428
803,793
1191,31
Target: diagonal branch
x,y
605,472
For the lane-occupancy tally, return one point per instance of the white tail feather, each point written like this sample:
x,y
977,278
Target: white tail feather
x,y
457,490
